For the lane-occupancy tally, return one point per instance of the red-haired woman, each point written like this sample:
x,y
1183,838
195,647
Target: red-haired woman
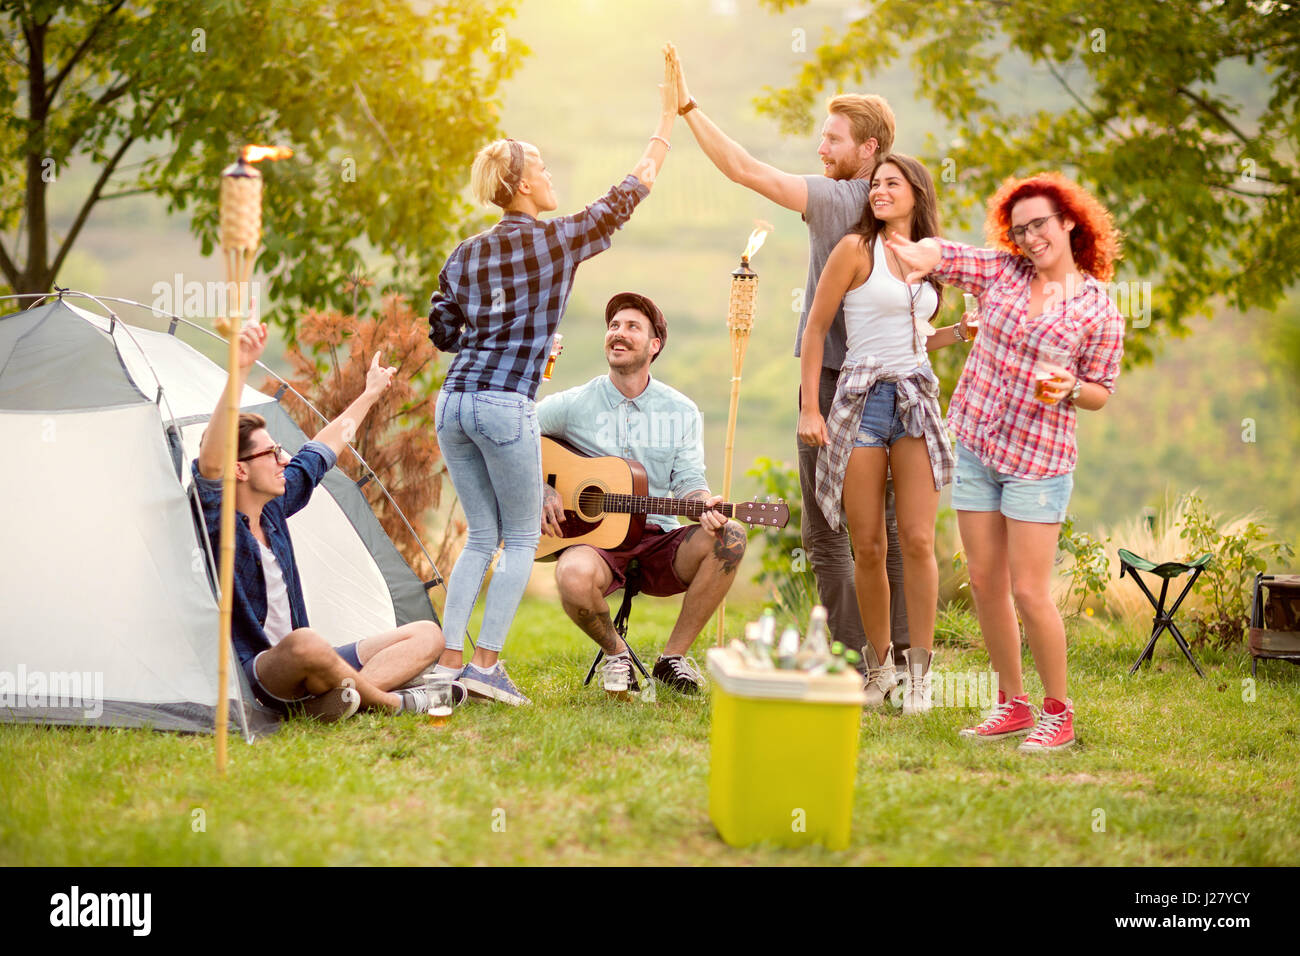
x,y
1050,342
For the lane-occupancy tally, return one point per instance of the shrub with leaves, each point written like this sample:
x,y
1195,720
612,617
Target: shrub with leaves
x,y
1225,584
1089,575
397,439
785,567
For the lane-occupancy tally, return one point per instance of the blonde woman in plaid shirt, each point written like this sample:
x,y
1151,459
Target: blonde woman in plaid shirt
x,y
885,418
500,298
1039,289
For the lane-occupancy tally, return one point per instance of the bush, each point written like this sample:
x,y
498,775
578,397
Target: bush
x,y
1089,575
785,568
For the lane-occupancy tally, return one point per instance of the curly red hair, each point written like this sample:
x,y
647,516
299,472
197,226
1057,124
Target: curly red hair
x,y
1094,241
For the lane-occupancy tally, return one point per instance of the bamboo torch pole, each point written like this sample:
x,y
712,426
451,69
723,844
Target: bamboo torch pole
x,y
740,320
241,234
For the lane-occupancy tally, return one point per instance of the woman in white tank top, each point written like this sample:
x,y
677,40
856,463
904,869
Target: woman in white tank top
x,y
885,418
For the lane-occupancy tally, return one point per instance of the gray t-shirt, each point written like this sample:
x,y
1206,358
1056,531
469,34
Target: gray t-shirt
x,y
834,207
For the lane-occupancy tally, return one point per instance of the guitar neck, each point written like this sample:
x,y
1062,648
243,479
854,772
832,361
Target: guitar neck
x,y
651,505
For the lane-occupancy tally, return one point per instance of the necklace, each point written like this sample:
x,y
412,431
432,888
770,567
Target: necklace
x,y
921,327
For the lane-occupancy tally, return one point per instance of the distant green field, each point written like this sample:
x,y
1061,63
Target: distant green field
x,y
1169,769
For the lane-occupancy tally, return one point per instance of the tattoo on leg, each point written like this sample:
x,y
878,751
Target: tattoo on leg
x,y
730,548
599,628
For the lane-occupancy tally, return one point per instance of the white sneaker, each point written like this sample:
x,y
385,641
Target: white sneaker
x,y
881,678
917,697
616,676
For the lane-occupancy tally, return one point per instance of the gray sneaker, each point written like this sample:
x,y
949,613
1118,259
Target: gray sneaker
x,y
494,684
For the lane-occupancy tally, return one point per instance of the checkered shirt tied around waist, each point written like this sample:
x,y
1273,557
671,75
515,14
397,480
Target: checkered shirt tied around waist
x,y
502,293
918,408
993,411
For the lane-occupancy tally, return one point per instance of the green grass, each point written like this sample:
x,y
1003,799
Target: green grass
x,y
1185,771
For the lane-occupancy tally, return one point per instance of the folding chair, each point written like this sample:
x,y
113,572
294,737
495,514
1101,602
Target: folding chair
x,y
631,587
1131,564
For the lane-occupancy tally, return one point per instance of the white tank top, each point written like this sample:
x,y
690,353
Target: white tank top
x,y
879,322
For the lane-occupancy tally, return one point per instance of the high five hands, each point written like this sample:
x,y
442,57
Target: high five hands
x,y
647,169
682,93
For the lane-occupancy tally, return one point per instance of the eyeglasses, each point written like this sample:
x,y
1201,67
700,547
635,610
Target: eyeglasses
x,y
276,450
1032,228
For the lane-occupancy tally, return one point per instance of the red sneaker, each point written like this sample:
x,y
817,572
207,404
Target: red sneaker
x,y
1052,732
1010,718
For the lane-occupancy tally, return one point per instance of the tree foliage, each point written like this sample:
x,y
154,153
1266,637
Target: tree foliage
x,y
384,102
1200,168
397,439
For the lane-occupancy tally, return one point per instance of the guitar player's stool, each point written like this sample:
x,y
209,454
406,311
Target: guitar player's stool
x,y
1131,564
631,587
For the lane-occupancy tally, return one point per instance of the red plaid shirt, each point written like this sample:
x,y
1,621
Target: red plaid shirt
x,y
993,411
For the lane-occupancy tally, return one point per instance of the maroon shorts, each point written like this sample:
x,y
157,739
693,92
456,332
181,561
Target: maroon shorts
x,y
656,551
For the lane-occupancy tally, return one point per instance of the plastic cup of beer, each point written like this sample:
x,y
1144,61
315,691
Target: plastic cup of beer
x,y
556,345
440,700
1047,356
972,315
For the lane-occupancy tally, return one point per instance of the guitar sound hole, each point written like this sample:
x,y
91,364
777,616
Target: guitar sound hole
x,y
591,502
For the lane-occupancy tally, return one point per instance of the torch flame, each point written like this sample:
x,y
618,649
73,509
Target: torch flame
x,y
255,154
756,239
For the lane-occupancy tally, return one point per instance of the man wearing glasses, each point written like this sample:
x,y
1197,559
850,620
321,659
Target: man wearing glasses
x,y
290,667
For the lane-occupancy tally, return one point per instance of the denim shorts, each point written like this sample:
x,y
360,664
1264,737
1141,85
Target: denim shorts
x,y
978,488
881,423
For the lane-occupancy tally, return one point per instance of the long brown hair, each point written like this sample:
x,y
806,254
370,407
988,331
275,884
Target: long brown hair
x,y
925,210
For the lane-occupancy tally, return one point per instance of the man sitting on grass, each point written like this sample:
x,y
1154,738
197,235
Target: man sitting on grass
x,y
631,415
290,667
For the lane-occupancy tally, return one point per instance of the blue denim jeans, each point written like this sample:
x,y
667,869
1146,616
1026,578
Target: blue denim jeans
x,y
492,447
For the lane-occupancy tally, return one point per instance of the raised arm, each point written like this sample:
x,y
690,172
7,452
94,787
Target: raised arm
x,y
733,160
344,428
252,342
652,160
845,264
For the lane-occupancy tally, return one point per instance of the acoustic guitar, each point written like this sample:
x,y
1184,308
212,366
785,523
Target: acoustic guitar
x,y
606,501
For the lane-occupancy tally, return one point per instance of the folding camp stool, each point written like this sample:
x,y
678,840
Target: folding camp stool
x,y
631,587
1131,564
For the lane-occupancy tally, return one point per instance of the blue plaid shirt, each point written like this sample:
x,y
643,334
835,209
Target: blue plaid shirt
x,y
248,613
502,293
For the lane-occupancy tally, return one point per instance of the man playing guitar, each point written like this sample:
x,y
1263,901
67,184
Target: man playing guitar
x,y
631,415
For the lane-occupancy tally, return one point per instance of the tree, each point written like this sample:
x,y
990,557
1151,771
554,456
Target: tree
x,y
1180,114
385,105
397,439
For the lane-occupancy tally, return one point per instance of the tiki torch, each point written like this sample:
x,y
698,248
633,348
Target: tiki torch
x,y
740,320
241,234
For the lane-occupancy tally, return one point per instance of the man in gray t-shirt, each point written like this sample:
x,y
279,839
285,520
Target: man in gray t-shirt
x,y
857,132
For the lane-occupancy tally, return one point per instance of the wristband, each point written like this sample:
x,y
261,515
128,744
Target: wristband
x,y
1074,392
690,105
656,136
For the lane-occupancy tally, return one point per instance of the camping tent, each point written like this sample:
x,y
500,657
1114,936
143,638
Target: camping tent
x,y
107,608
